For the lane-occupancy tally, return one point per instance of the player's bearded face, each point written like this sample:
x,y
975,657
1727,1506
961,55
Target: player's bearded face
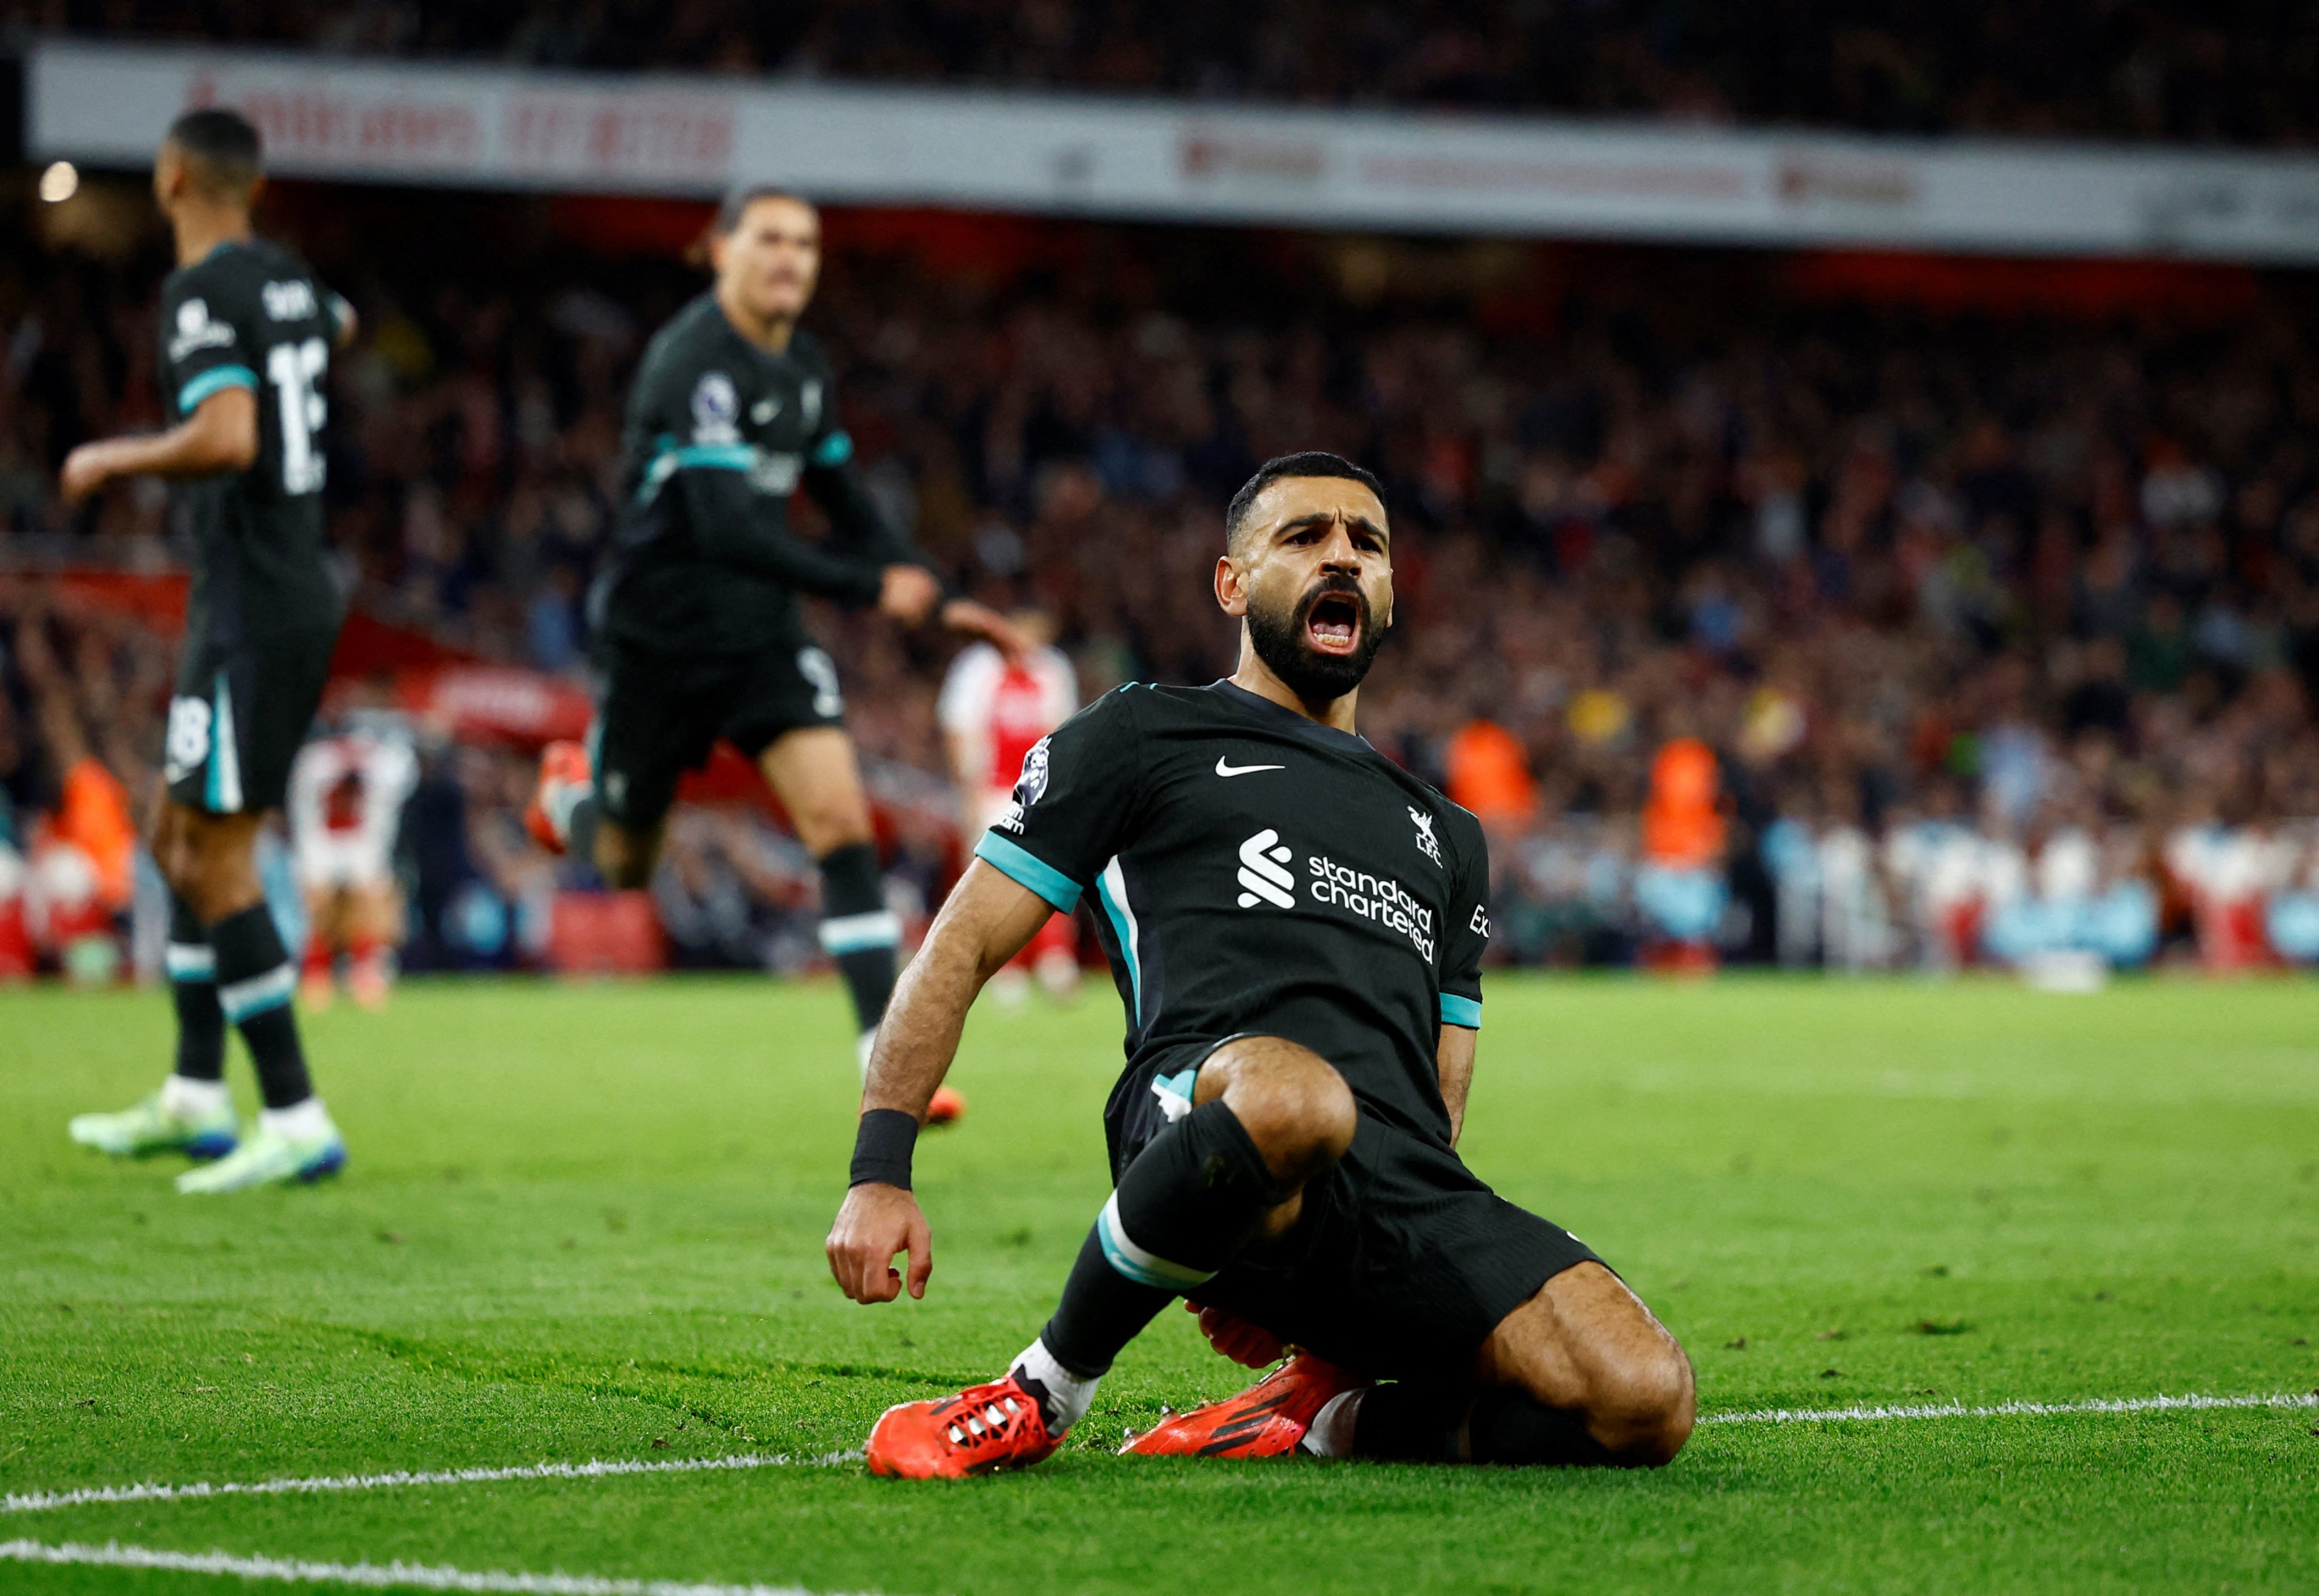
x,y
1318,641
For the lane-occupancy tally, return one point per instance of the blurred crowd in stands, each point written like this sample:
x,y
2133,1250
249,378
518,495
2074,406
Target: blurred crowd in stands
x,y
1756,625
2232,71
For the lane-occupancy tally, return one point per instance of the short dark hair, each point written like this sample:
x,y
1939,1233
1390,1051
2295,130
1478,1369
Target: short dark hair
x,y
223,145
1305,463
737,201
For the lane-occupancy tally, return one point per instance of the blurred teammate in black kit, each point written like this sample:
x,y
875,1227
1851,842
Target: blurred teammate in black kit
x,y
246,340
697,630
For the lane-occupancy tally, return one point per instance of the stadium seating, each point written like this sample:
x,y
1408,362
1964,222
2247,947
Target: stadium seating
x,y
1918,553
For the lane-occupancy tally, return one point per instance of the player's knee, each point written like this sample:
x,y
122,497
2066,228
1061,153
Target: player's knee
x,y
1295,1105
201,868
1334,1116
191,888
1644,1408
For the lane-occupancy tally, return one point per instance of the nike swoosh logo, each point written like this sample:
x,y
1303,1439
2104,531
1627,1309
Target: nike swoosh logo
x,y
1224,770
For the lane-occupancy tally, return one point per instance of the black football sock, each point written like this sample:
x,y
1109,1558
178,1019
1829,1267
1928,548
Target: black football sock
x,y
192,970
858,930
256,981
1102,1310
1417,1423
1188,1204
1516,1428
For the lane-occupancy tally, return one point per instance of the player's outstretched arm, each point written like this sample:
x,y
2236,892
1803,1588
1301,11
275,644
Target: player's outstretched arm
x,y
221,435
910,593
736,523
987,921
974,619
1453,1056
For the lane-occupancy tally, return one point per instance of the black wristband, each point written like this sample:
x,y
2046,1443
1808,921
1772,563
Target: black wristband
x,y
883,1147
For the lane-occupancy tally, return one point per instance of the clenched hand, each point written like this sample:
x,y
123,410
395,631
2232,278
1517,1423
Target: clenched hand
x,y
876,1222
906,592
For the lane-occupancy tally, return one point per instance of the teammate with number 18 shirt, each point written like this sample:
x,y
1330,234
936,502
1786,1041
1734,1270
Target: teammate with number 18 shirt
x,y
246,341
1296,925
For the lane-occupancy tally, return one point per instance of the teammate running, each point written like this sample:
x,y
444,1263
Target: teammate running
x,y
698,633
993,712
246,341
1297,926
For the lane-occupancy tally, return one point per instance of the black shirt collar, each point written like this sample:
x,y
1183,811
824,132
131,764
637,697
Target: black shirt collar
x,y
715,312
1284,719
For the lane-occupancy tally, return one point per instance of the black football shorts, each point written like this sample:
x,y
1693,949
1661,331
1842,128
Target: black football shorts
x,y
1402,1262
240,714
663,712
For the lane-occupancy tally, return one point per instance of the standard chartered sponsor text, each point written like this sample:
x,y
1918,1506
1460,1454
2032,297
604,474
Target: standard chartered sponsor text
x,y
1380,899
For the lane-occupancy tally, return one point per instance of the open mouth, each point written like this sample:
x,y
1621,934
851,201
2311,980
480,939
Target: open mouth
x,y
1333,623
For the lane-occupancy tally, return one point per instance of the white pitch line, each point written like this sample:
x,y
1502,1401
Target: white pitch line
x,y
390,1576
2128,1404
33,1502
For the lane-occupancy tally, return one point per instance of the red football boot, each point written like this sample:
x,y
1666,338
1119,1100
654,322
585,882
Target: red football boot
x,y
1265,1421
945,1107
980,1430
562,766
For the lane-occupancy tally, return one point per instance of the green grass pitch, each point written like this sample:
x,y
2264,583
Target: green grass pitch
x,y
586,1222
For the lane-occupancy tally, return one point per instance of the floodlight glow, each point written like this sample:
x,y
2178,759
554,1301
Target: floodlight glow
x,y
59,182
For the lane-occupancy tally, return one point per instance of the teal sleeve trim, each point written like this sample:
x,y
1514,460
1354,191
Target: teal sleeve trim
x,y
1461,1011
835,449
674,457
216,380
716,456
1011,858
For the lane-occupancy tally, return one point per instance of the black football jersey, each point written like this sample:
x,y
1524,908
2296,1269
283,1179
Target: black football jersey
x,y
719,434
1254,870
250,315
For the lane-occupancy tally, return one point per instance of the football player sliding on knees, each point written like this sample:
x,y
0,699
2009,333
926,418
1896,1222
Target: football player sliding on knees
x,y
1295,926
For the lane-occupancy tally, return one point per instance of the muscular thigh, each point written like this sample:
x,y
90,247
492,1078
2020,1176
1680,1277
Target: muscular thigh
x,y
209,859
1579,1332
814,772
